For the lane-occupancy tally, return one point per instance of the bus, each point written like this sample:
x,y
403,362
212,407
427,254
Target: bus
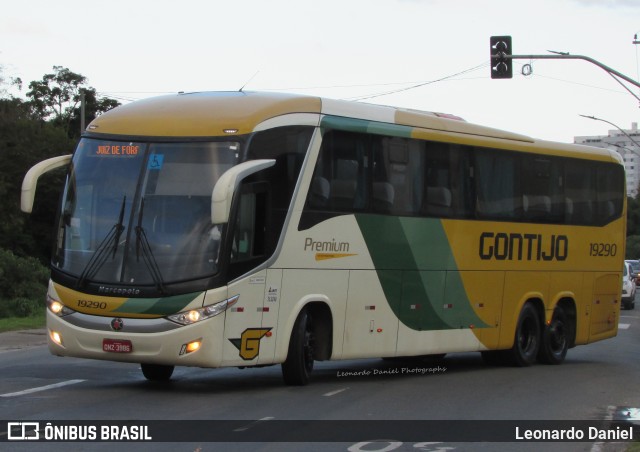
x,y
248,229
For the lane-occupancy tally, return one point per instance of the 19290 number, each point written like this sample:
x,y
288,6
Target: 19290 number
x,y
603,249
92,304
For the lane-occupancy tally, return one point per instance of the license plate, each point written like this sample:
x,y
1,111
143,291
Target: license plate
x,y
117,345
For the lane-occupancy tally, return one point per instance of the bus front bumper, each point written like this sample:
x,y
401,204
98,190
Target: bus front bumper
x,y
157,341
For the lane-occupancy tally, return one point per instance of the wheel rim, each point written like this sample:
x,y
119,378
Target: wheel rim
x,y
557,336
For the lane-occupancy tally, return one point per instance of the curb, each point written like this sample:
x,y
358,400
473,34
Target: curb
x,y
17,340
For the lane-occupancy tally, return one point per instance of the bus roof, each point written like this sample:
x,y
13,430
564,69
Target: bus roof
x,y
225,113
211,113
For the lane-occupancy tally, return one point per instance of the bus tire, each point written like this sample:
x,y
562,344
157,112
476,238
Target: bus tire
x,y
555,338
527,340
297,368
157,372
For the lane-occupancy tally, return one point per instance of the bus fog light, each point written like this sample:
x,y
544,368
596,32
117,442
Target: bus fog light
x,y
193,346
56,337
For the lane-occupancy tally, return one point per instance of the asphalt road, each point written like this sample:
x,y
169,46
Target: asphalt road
x,y
598,381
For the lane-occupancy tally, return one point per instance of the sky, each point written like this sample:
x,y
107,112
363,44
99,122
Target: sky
x,y
423,54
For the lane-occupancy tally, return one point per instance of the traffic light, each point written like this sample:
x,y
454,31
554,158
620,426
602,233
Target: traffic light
x,y
501,66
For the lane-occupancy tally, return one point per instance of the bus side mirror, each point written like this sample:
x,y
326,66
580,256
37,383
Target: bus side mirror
x,y
31,179
228,183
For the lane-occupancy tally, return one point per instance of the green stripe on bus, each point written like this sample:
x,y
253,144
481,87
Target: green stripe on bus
x,y
417,271
364,126
157,306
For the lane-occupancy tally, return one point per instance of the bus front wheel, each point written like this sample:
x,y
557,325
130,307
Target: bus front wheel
x,y
297,368
527,340
157,372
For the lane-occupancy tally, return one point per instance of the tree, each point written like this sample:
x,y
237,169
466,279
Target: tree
x,y
24,141
56,95
633,247
56,98
46,125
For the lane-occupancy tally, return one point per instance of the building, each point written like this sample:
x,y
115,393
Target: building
x,y
627,144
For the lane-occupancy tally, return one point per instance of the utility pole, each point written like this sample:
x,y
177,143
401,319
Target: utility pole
x,y
82,111
636,42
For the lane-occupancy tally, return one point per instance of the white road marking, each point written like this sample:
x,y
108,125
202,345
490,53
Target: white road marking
x,y
623,326
332,393
598,445
42,388
248,426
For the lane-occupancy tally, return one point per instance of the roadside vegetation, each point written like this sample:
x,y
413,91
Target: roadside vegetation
x,y
43,123
633,228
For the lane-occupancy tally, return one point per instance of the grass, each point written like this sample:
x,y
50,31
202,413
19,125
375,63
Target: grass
x,y
633,447
22,323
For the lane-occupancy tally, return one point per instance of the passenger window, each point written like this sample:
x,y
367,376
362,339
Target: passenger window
x,y
542,197
498,188
359,172
580,192
609,180
341,178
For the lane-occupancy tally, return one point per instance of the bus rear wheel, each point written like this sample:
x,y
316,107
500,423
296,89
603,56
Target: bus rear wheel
x,y
297,368
157,372
527,340
555,339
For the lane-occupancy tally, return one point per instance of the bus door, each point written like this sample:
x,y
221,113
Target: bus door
x,y
245,328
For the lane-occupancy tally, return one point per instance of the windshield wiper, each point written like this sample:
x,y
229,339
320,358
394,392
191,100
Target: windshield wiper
x,y
142,244
102,252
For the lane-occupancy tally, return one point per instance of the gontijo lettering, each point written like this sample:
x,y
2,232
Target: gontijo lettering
x,y
528,247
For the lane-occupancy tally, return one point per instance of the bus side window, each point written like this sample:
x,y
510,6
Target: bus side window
x,y
319,193
398,176
609,201
288,146
341,178
580,189
497,186
543,194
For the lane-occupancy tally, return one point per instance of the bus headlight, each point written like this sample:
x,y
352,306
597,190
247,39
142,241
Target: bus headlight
x,y
57,308
197,315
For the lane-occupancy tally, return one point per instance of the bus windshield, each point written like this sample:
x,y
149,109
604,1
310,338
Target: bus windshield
x,y
139,213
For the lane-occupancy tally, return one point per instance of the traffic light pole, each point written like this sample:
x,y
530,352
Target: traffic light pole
x,y
574,57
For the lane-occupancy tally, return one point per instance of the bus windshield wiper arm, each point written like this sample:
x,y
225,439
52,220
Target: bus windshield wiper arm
x,y
103,250
142,244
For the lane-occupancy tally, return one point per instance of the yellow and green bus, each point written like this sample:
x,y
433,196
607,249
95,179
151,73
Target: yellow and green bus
x,y
248,229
